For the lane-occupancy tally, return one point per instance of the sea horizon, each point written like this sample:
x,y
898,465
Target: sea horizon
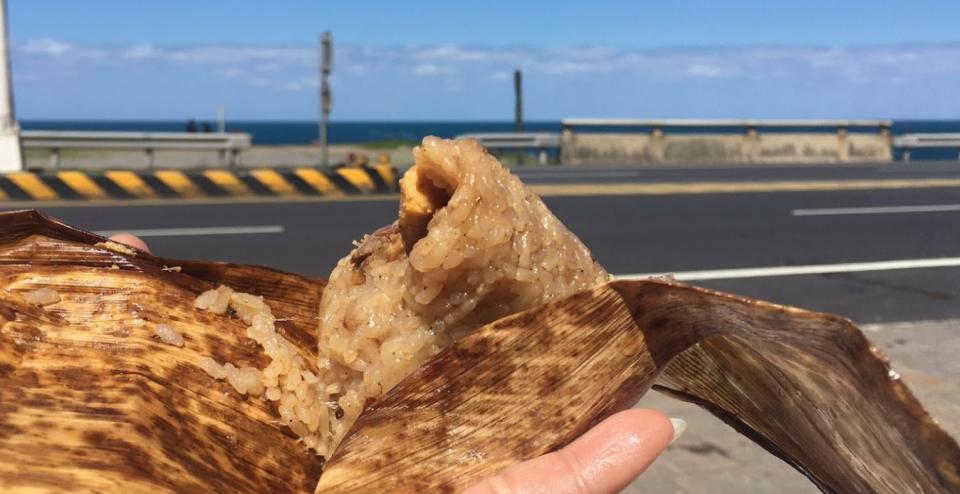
x,y
449,121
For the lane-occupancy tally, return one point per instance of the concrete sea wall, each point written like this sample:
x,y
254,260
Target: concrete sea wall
x,y
658,146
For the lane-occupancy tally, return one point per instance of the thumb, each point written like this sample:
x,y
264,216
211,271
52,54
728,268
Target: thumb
x,y
131,240
602,461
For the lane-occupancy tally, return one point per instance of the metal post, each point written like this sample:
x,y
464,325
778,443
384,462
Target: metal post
x,y
11,156
518,101
518,106
326,61
221,120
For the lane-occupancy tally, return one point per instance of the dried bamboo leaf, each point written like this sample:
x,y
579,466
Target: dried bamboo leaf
x,y
90,402
808,387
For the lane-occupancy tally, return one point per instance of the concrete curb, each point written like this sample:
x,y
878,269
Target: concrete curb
x,y
177,184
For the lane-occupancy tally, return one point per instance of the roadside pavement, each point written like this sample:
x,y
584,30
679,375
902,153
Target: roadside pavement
x,y
711,457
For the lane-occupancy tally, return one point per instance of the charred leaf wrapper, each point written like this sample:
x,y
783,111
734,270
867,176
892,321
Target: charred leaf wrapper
x,y
92,401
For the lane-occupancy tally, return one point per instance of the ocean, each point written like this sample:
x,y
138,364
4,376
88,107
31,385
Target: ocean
x,y
305,132
301,133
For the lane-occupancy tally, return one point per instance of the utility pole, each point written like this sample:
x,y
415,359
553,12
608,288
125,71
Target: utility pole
x,y
11,158
326,60
518,106
518,98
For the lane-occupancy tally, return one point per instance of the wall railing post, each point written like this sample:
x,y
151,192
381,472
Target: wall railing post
x,y
752,139
843,150
657,145
567,145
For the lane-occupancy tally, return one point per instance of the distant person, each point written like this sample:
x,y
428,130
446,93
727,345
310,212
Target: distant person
x,y
363,161
191,126
207,128
383,159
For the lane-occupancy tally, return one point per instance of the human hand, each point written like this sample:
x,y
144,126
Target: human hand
x,y
603,460
131,240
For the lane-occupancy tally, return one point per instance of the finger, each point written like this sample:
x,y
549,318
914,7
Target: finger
x,y
131,240
603,460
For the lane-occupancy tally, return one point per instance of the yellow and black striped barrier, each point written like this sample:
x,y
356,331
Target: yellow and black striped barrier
x,y
173,184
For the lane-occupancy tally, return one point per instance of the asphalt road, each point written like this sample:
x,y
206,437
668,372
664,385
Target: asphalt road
x,y
698,173
637,234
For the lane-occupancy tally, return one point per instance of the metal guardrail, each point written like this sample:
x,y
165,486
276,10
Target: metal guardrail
x,y
228,145
930,140
539,141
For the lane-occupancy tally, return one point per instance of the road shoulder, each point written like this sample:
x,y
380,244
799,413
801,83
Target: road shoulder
x,y
711,457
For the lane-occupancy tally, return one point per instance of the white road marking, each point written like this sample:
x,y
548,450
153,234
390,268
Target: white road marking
x,y
197,231
928,208
725,274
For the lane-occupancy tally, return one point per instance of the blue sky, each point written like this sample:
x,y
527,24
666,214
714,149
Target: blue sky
x,y
441,60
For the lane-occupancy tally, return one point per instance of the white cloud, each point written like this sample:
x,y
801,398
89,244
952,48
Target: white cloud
x,y
357,69
429,70
456,53
220,54
756,62
709,71
588,52
829,58
289,66
299,84
140,52
373,81
231,72
560,67
46,46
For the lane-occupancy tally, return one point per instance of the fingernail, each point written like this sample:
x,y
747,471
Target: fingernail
x,y
679,425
